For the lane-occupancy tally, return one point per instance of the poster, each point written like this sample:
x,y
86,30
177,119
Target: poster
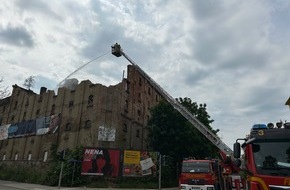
x,y
4,132
106,134
45,125
139,163
100,161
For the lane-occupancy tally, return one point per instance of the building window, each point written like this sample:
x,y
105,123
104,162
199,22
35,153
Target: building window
x,y
138,133
27,102
37,112
15,105
40,99
149,90
139,97
68,127
125,128
45,156
126,106
12,118
139,112
88,124
91,101
127,85
140,81
24,116
16,156
4,157
52,112
71,104
29,156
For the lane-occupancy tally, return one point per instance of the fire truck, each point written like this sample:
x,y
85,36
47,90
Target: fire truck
x,y
265,163
199,174
210,174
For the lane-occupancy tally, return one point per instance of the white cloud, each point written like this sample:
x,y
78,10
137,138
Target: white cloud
x,y
231,55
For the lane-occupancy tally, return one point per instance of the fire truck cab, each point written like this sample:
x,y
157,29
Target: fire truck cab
x,y
266,159
199,174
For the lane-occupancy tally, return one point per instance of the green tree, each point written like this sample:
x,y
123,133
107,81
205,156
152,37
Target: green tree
x,y
71,170
171,134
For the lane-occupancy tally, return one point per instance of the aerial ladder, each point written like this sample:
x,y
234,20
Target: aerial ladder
x,y
117,51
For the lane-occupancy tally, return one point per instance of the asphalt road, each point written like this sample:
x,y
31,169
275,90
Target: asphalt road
x,y
8,188
9,185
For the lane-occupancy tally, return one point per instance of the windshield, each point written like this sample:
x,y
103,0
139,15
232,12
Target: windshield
x,y
272,158
196,167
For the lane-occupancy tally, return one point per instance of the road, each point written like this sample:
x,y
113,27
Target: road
x,y
12,185
8,188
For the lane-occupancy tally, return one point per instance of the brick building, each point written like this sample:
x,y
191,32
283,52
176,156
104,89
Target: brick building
x,y
91,115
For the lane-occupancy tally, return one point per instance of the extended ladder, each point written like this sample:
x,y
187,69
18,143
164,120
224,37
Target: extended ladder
x,y
117,51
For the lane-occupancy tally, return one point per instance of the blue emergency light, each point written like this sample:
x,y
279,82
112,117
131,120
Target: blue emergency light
x,y
259,127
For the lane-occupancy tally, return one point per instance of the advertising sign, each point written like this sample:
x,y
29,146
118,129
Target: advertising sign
x,y
139,163
100,161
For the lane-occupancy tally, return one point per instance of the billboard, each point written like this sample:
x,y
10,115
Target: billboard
x,y
22,129
100,161
139,163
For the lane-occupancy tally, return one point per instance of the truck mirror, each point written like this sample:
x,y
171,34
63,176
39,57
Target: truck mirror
x,y
237,150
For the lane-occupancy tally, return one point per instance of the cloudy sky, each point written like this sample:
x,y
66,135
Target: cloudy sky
x,y
232,55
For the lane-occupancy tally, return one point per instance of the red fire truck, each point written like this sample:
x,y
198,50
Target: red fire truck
x,y
266,160
199,174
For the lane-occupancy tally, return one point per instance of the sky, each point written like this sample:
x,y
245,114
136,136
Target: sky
x,y
232,55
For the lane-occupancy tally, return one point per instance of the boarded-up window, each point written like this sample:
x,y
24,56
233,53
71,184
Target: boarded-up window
x,y
45,156
29,156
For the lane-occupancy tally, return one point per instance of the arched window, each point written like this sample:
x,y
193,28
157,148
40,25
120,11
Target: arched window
x,y
126,106
125,128
91,101
52,112
139,97
88,124
68,126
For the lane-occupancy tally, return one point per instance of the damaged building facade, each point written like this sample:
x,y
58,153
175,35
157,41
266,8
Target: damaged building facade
x,y
84,114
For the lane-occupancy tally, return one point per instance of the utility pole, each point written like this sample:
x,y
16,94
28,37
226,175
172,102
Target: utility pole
x,y
159,180
62,155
